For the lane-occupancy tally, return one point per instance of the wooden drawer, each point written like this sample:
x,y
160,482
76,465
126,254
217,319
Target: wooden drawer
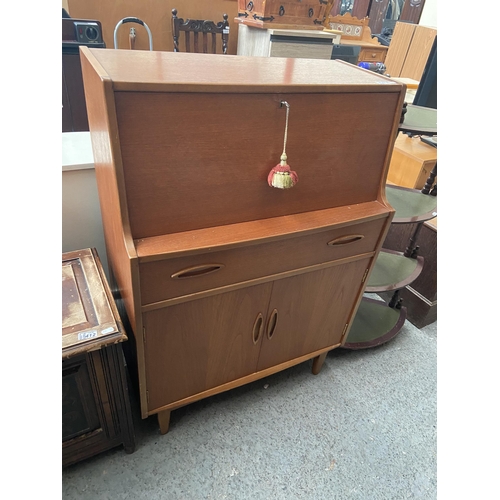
x,y
169,278
309,50
372,55
283,12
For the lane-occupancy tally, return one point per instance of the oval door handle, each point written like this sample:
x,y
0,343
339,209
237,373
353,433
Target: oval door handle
x,y
271,324
201,270
257,328
345,240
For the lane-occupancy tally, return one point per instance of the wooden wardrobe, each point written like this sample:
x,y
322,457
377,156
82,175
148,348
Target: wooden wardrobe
x,y
222,278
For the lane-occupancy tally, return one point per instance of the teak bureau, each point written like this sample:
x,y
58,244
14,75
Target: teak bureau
x,y
222,278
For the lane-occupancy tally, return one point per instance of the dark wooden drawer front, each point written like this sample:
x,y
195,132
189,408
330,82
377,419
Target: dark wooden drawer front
x,y
161,280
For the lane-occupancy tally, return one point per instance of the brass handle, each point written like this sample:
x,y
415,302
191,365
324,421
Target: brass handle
x,y
194,271
345,240
271,324
257,328
374,55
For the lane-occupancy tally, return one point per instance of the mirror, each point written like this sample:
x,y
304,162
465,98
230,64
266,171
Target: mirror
x,y
346,6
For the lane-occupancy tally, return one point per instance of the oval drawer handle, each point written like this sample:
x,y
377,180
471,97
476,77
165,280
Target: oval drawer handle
x,y
271,324
257,328
194,271
345,240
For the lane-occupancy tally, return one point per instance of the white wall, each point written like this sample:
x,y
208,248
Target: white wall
x,y
81,211
429,14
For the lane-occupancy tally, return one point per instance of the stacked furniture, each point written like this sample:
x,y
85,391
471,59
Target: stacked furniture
x,y
223,278
310,44
285,29
377,322
96,413
356,34
420,296
284,14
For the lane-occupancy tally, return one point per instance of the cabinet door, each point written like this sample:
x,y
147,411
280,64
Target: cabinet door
x,y
309,312
79,412
201,344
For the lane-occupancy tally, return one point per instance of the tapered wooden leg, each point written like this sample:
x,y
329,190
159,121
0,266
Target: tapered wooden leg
x,y
164,421
318,363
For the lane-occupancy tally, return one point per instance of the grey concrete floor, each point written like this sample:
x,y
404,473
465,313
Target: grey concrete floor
x,y
363,428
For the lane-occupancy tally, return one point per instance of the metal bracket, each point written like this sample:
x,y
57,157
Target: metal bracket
x,y
261,18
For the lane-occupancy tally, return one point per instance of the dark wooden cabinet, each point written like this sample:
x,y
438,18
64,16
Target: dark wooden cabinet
x,y
96,413
223,278
74,111
79,410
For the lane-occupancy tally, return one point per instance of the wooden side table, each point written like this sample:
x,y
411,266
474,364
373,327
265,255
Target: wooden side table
x,y
412,162
420,297
96,413
376,322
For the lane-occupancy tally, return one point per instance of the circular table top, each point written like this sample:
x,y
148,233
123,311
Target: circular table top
x,y
419,120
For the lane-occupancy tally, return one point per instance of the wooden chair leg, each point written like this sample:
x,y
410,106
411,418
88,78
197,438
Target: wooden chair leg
x,y
164,421
318,363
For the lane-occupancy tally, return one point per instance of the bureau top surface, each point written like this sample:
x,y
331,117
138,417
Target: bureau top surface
x,y
139,70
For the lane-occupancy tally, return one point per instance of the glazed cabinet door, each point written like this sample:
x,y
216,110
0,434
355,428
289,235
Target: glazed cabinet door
x,y
309,312
198,345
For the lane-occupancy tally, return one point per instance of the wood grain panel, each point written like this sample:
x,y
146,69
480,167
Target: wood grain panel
x,y
120,249
418,53
255,232
313,310
164,166
198,345
143,71
251,262
398,48
411,163
107,160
